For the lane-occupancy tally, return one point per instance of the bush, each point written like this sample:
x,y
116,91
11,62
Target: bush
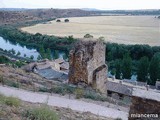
x,y
79,93
58,90
41,113
69,89
94,96
90,95
66,20
2,98
43,89
88,36
11,83
58,20
12,101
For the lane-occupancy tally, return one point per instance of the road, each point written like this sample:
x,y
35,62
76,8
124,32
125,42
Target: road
x,y
73,104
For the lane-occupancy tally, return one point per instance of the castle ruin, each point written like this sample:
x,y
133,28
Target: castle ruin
x,y
87,64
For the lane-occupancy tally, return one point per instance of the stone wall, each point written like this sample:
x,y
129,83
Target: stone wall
x,y
87,64
144,106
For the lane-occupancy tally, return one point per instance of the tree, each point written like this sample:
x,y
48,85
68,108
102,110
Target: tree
x,y
13,51
58,20
70,39
88,36
39,57
3,59
25,55
48,54
42,52
56,54
101,39
32,57
65,56
18,53
66,20
154,69
113,71
142,73
118,68
126,66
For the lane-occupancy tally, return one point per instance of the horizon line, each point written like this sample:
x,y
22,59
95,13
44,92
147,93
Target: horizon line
x,y
94,9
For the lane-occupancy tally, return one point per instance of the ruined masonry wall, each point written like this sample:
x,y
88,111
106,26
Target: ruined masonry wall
x,y
87,64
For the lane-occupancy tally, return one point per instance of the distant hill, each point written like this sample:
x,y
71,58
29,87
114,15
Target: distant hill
x,y
90,9
132,12
21,15
13,9
14,15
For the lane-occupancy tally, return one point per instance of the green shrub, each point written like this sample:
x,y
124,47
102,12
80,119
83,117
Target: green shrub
x,y
90,95
94,96
79,93
88,36
2,98
11,83
69,89
43,89
41,113
12,101
63,89
58,90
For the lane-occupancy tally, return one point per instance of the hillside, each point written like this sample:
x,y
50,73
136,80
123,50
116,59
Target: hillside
x,y
9,17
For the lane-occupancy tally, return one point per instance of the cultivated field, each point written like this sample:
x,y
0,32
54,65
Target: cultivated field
x,y
119,29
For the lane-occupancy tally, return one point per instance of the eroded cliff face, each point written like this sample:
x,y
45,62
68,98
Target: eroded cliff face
x,y
87,64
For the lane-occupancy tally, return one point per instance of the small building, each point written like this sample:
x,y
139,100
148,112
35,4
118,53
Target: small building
x,y
62,64
59,60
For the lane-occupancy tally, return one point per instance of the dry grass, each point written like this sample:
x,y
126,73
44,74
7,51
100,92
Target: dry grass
x,y
119,29
29,111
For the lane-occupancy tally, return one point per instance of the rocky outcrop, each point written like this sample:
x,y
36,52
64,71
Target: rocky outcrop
x,y
87,64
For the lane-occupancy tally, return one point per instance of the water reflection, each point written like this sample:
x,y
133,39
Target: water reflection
x,y
27,51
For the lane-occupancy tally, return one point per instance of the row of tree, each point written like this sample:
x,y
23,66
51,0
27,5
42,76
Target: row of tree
x,y
23,38
147,70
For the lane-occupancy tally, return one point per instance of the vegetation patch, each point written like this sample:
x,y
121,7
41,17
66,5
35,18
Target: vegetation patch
x,y
79,93
10,101
40,113
12,83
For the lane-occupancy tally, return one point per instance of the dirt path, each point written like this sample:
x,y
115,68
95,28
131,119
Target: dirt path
x,y
63,102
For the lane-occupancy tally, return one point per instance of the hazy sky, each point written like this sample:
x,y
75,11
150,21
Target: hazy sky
x,y
99,4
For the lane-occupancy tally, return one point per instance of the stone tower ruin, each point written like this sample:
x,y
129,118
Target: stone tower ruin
x,y
87,64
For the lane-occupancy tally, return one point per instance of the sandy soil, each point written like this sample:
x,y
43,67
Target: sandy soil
x,y
119,29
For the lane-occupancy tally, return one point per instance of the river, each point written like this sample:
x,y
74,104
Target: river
x,y
24,50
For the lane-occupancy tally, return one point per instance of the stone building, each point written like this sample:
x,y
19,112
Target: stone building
x,y
87,64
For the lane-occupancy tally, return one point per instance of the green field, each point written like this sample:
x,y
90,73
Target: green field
x,y
119,29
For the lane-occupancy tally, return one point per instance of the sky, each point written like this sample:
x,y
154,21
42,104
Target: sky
x,y
98,4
